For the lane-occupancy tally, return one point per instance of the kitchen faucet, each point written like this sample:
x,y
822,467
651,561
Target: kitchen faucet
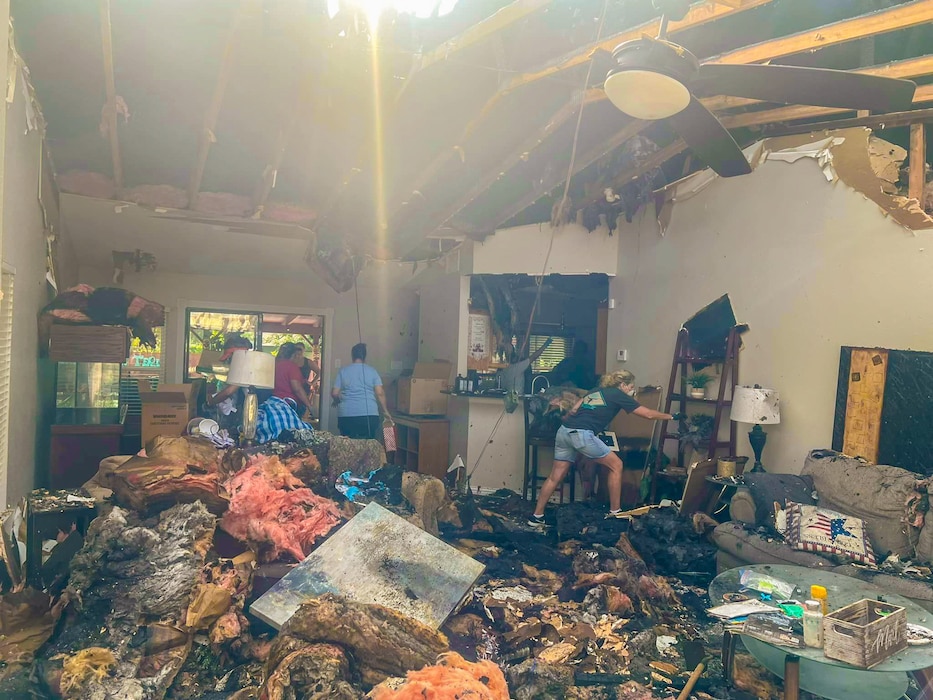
x,y
547,384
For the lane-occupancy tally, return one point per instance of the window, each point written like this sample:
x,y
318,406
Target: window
x,y
6,338
146,364
559,349
206,331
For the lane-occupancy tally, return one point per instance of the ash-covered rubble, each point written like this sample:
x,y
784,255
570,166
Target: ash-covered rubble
x,y
157,601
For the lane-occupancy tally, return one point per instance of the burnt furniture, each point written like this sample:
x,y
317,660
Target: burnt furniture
x,y
88,420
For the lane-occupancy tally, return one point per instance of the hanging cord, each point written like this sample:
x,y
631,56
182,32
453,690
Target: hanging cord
x,y
564,200
356,291
550,247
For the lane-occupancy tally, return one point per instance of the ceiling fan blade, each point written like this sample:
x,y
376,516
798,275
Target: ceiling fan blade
x,y
819,87
710,140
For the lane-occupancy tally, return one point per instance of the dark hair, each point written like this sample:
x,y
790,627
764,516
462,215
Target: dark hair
x,y
358,352
286,351
235,340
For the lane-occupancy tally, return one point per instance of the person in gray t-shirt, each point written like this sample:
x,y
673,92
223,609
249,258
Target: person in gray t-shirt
x,y
359,396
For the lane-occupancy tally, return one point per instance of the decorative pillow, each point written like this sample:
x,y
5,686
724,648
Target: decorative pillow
x,y
815,529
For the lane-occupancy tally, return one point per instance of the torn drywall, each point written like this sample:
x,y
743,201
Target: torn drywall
x,y
854,156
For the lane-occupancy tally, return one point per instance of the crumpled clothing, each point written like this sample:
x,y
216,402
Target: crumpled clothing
x,y
354,487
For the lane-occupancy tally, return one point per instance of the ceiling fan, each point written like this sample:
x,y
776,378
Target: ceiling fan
x,y
654,79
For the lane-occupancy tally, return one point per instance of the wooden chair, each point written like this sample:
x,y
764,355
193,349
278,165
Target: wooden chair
x,y
531,479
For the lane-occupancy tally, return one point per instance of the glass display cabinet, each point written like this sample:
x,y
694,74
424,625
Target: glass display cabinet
x,y
87,393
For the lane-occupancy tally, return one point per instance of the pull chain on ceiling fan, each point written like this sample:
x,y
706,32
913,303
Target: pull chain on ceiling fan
x,y
654,79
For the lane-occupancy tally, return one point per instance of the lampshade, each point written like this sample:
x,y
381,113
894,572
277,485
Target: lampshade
x,y
752,404
252,368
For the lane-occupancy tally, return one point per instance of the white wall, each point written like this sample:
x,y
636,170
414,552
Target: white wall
x,y
442,323
524,249
24,249
388,310
809,265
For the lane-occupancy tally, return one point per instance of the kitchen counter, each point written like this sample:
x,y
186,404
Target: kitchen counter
x,y
490,441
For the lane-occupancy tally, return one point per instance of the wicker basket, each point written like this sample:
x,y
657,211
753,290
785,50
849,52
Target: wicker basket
x,y
865,633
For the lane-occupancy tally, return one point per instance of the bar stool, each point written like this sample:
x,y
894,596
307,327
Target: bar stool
x,y
530,474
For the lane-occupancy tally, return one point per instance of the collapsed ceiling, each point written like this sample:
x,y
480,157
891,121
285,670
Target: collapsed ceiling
x,y
441,127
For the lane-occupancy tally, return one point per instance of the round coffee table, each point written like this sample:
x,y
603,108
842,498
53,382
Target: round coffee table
x,y
828,678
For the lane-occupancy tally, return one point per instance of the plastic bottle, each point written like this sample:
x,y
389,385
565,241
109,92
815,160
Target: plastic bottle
x,y
813,624
819,593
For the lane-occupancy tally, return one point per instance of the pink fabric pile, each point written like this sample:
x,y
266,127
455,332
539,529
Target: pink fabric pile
x,y
272,509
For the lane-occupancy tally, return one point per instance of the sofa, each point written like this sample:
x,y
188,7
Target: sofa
x,y
890,500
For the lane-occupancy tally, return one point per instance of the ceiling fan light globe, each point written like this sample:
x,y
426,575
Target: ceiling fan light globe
x,y
645,94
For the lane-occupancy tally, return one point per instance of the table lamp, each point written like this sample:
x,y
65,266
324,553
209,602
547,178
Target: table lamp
x,y
753,404
251,370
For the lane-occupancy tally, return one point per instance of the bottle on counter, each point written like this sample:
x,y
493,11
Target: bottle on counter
x,y
813,624
820,594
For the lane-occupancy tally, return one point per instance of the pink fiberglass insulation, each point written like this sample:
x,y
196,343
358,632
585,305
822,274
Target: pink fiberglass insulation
x,y
271,508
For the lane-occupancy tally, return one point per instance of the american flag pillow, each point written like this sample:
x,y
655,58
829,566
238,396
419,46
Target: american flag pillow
x,y
824,531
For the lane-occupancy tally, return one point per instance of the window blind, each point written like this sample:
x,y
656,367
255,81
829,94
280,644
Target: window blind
x,y
559,349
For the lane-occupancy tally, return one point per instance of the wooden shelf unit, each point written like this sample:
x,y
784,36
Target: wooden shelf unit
x,y
678,399
422,444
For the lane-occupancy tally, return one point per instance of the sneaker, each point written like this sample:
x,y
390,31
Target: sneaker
x,y
536,523
621,515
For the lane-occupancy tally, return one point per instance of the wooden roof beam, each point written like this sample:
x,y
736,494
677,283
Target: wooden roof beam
x,y
496,22
910,14
206,137
106,36
923,94
657,159
898,17
698,15
916,173
562,116
875,121
583,161
907,68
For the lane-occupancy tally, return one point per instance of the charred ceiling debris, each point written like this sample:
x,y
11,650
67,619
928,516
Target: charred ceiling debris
x,y
238,131
156,601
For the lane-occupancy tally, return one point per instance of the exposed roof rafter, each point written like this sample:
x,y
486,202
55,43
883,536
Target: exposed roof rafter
x,y
111,106
206,137
891,19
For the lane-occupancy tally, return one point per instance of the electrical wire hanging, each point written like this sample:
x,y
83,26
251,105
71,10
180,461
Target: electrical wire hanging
x,y
547,257
561,208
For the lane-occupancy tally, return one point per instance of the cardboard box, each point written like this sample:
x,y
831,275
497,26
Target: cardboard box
x,y
167,410
420,390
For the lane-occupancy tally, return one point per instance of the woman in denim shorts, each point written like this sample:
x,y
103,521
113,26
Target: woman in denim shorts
x,y
578,436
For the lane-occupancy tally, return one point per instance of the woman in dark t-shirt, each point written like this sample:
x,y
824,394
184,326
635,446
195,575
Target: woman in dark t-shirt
x,y
577,436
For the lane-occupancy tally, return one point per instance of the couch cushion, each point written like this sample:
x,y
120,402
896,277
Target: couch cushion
x,y
877,494
752,548
754,504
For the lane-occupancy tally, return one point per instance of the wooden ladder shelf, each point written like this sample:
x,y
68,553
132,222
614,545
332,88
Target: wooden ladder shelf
x,y
677,395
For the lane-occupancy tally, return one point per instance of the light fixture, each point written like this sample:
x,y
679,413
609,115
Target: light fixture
x,y
648,80
753,404
251,369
